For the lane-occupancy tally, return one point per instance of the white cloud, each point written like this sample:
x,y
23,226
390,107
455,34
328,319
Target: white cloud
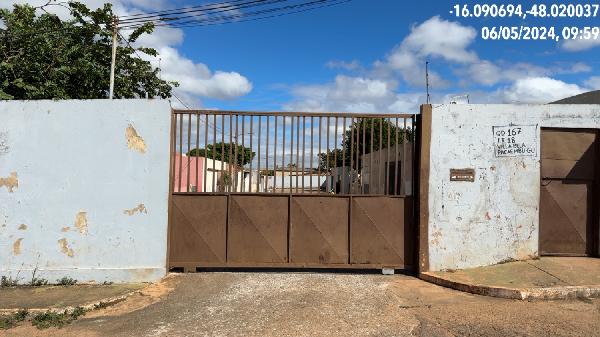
x,y
376,89
580,44
538,90
434,38
446,39
352,94
353,65
196,79
593,82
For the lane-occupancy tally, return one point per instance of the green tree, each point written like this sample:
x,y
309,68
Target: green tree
x,y
353,139
214,151
44,57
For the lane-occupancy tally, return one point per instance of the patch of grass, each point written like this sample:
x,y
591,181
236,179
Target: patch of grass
x,y
49,319
8,282
37,282
9,321
66,281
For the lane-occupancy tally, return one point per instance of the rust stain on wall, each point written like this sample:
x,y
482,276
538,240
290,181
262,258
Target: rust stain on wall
x,y
11,182
65,229
23,227
64,247
81,222
134,141
17,247
437,235
141,208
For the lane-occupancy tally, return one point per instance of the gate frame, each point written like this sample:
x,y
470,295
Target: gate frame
x,y
414,199
595,203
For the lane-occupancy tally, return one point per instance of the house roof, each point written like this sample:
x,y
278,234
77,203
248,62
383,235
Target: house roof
x,y
592,97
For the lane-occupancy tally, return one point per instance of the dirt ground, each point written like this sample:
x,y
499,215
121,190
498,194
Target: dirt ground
x,y
323,304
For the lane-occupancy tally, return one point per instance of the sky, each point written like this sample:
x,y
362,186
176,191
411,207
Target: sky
x,y
363,56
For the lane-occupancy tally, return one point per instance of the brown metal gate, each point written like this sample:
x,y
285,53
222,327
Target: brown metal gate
x,y
569,187
291,190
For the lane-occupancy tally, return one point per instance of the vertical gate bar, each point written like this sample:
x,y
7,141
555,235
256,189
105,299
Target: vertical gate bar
x,y
352,127
231,161
303,152
291,151
259,144
335,150
197,151
243,152
328,172
283,155
235,153
180,152
205,151
388,124
275,158
380,178
364,151
223,149
403,168
251,137
357,162
214,150
412,153
312,120
319,157
396,164
297,149
371,155
267,156
187,188
173,151
343,185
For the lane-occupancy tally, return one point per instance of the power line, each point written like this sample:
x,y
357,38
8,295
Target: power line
x,y
189,8
204,11
234,18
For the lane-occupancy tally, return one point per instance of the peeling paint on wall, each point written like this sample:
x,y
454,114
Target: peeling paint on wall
x,y
81,222
134,141
23,227
65,229
11,182
64,247
141,208
17,247
4,143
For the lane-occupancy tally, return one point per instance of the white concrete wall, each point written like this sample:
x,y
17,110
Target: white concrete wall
x,y
495,218
92,195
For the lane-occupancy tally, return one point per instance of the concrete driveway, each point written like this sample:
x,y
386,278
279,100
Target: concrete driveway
x,y
324,304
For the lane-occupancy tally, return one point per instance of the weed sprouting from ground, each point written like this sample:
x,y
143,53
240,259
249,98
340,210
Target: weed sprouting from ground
x,y
37,281
49,319
9,321
66,281
7,282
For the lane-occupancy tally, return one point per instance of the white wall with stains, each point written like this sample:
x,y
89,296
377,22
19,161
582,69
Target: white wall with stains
x,y
496,217
84,189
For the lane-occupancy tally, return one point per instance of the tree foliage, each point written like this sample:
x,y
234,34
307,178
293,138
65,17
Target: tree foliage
x,y
353,139
214,151
44,57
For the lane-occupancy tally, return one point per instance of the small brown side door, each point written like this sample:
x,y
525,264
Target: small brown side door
x,y
568,210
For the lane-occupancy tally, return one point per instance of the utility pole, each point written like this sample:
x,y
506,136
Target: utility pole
x,y
427,79
114,56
